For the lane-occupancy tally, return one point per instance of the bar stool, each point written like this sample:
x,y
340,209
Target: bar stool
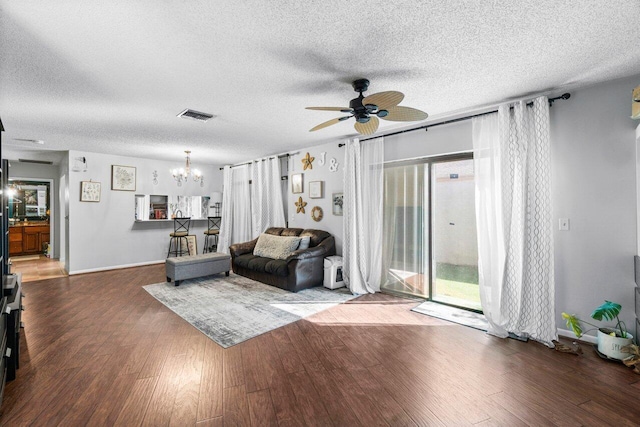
x,y
212,232
180,232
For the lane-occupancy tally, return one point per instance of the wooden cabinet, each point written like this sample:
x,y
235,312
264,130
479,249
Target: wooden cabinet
x,y
15,240
27,239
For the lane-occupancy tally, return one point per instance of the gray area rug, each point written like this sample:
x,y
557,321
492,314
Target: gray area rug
x,y
453,314
233,309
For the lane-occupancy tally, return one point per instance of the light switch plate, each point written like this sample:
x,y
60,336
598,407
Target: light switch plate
x,y
563,224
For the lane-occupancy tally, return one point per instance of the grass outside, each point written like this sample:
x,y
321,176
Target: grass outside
x,y
457,293
458,285
454,284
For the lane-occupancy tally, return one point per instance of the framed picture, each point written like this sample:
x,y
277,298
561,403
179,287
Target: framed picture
x,y
315,189
30,197
296,183
337,201
89,191
193,245
123,178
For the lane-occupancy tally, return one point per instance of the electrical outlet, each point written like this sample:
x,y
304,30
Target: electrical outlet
x,y
563,224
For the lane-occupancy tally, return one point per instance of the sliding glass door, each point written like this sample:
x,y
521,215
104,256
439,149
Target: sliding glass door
x,y
406,236
430,247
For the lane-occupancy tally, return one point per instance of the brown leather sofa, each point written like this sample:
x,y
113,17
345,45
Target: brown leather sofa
x,y
303,269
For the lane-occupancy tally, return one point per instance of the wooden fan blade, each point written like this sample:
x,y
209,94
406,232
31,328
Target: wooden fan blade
x,y
368,128
384,100
343,109
328,123
404,114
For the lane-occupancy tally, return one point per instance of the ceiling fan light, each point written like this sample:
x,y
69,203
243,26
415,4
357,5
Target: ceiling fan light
x,y
382,113
363,119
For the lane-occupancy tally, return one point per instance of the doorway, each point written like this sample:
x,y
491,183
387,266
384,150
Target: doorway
x,y
430,231
29,217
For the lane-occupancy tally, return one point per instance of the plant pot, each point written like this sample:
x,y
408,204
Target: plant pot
x,y
610,346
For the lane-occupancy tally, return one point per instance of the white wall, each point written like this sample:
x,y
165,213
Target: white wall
x,y
594,178
64,211
444,139
39,171
104,235
638,187
333,182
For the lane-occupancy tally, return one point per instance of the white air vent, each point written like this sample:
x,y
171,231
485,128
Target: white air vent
x,y
33,141
39,162
196,115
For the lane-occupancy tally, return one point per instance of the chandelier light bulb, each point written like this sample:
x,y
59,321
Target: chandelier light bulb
x,y
183,174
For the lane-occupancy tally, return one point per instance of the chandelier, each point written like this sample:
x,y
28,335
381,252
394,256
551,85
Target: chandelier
x,y
183,174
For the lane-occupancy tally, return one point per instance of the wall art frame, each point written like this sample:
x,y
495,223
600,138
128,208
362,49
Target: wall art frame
x,y
297,186
337,203
90,191
315,189
192,244
123,178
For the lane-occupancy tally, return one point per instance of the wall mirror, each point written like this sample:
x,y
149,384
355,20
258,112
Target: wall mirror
x,y
28,200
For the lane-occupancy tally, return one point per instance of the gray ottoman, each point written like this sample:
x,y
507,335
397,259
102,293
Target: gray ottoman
x,y
190,267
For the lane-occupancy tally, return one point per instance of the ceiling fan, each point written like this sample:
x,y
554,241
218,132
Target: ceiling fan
x,y
366,110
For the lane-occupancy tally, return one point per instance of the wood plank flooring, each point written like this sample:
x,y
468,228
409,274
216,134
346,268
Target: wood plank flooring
x,y
37,267
98,350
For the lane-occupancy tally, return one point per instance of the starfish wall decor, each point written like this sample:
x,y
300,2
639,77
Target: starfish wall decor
x,y
307,162
300,205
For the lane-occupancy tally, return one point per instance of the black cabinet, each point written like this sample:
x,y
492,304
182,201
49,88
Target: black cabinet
x,y
13,323
3,346
636,261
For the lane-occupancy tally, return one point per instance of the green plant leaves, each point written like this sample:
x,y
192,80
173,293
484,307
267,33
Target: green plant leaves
x,y
574,323
608,311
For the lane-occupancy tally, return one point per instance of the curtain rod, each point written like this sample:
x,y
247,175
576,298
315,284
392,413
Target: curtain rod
x,y
260,160
459,119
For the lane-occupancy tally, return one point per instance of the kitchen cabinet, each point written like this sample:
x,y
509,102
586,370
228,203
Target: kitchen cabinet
x,y
28,239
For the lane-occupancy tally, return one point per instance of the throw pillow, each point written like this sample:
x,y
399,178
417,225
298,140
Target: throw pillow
x,y
275,247
304,242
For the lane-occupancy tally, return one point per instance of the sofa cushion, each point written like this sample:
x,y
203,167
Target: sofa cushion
x,y
275,247
304,242
316,236
291,231
258,264
276,231
243,260
277,267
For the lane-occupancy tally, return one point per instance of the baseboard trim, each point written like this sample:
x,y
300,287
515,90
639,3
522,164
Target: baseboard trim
x,y
115,267
569,334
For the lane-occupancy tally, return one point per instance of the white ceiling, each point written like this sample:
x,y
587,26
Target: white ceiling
x,y
110,77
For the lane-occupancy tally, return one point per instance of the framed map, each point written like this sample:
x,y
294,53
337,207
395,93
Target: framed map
x,y
123,178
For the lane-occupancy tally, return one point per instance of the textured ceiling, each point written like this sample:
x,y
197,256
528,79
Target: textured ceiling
x,y
111,77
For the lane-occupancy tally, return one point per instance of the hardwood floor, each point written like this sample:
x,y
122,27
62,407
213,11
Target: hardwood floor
x,y
98,350
37,267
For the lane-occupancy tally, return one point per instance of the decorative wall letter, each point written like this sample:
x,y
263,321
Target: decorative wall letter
x,y
333,165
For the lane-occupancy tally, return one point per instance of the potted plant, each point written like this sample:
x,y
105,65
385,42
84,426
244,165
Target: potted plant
x,y
611,340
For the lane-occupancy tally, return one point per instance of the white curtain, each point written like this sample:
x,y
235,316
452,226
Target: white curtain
x,y
227,211
363,203
241,227
266,196
513,212
236,207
